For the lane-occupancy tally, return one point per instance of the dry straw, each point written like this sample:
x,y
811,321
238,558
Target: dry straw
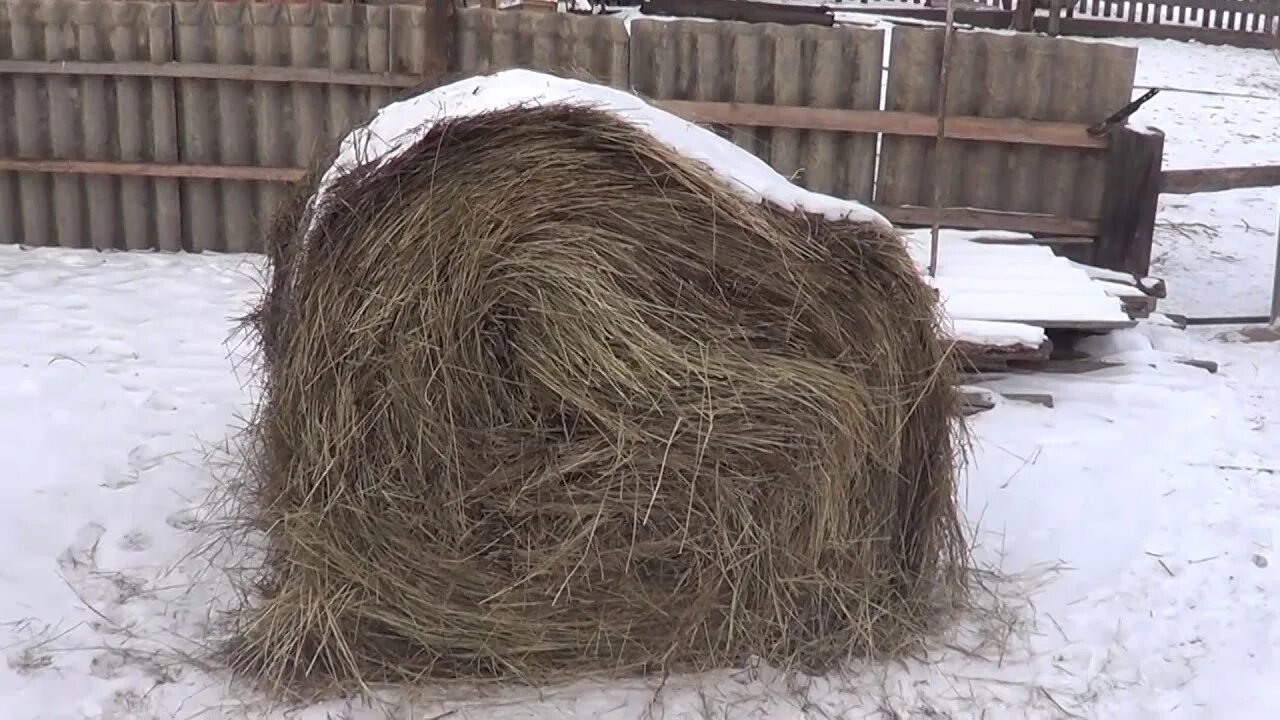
x,y
545,398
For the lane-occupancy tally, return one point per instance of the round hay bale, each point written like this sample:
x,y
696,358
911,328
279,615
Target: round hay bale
x,y
544,397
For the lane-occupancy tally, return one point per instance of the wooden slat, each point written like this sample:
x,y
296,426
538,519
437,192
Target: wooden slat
x,y
1017,131
1051,241
742,10
978,219
1198,180
741,114
952,217
210,71
155,170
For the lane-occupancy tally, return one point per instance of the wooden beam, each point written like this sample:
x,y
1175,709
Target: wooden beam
x,y
1130,195
156,170
988,18
742,11
1009,130
978,219
209,71
1198,180
1049,240
1024,16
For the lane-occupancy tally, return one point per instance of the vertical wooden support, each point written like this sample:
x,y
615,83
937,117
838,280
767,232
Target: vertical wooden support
x,y
1275,283
1131,193
1055,17
441,28
1024,16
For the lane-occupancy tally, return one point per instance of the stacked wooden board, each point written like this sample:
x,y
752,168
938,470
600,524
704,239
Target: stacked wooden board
x,y
1007,300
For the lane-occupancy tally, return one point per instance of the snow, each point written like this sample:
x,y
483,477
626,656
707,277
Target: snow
x,y
399,125
1012,283
1217,251
996,334
1075,299
1134,524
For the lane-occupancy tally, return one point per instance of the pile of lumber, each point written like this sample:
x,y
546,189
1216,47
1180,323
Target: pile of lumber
x,y
1012,305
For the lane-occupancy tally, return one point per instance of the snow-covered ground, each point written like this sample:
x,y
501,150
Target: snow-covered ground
x,y
1216,250
1135,522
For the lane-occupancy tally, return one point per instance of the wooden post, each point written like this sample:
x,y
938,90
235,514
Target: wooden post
x,y
1024,16
941,169
1275,284
442,40
1055,17
1131,193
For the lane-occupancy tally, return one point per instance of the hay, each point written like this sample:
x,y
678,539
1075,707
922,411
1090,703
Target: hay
x,y
545,398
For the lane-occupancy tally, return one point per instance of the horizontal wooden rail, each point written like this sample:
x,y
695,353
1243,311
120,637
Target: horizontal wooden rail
x,y
209,71
1008,130
904,215
979,219
156,170
1198,180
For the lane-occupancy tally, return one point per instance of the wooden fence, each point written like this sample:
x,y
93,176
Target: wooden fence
x,y
175,125
1243,23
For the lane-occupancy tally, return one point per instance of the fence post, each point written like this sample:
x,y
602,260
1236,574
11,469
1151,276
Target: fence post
x,y
1055,17
1131,193
1024,16
1275,283
442,40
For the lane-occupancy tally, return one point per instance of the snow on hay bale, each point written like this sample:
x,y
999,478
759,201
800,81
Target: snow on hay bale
x,y
545,396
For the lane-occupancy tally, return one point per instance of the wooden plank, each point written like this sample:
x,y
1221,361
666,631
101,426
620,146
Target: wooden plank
x,y
440,30
166,198
989,357
1131,196
97,126
1050,240
1275,284
64,123
741,11
990,18
155,170
1198,180
210,71
979,219
951,217
1009,130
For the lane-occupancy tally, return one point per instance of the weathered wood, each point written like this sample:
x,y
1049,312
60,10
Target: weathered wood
x,y
975,218
1032,398
210,71
1029,132
1275,283
1050,240
441,39
1087,27
741,11
1198,180
989,18
155,170
1131,196
1055,17
989,357
1025,15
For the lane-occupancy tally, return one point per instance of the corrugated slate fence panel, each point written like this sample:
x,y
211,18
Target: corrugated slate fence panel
x,y
1003,76
798,66
95,118
277,124
584,47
